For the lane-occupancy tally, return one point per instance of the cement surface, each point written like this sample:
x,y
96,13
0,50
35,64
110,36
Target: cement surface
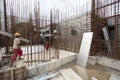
x,y
92,71
114,77
97,71
69,74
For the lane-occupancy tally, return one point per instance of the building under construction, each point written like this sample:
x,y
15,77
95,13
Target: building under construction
x,y
85,45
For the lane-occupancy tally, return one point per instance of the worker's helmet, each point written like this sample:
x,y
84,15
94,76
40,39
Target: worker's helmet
x,y
17,34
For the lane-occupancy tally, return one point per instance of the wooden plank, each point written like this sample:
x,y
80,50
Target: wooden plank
x,y
5,33
25,40
11,36
69,74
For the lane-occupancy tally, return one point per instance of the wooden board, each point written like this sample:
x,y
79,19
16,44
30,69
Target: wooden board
x,y
11,36
6,33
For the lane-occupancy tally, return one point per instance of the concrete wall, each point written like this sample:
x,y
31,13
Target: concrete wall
x,y
49,66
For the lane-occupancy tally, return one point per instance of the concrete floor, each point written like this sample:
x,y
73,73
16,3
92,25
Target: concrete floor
x,y
92,71
99,72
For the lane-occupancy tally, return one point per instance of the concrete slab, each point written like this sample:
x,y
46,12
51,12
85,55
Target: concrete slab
x,y
114,77
84,49
69,74
93,78
58,77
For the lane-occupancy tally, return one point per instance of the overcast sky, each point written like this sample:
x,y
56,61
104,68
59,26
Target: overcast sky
x,y
64,6
1,4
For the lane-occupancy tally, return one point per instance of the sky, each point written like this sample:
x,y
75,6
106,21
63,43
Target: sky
x,y
24,7
1,5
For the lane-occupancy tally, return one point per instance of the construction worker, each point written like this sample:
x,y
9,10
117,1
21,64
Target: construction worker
x,y
16,48
47,44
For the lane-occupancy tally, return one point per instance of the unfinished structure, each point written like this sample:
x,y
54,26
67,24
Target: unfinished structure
x,y
102,20
64,35
105,14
